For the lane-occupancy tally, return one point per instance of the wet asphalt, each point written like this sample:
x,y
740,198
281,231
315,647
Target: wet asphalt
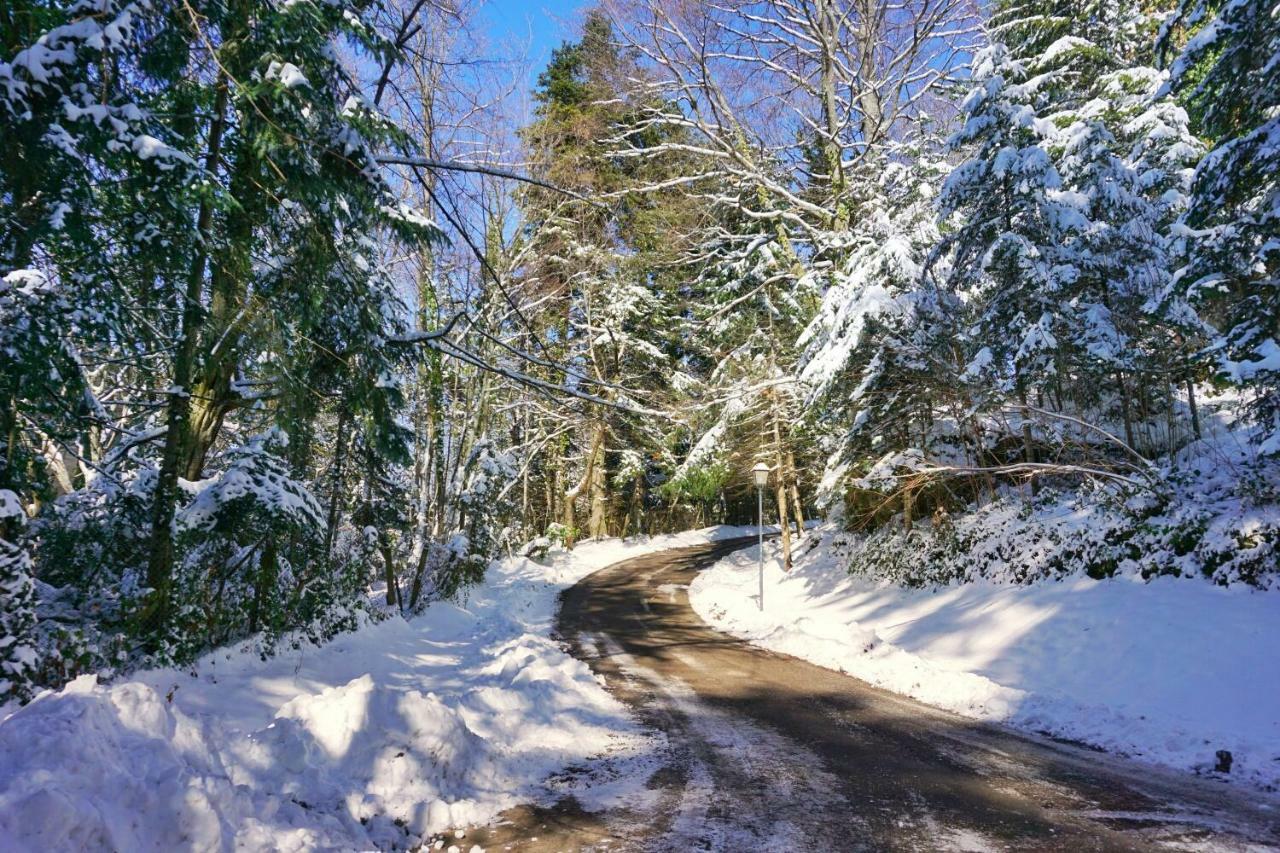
x,y
755,751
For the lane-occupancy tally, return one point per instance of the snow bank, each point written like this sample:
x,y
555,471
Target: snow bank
x,y
383,737
1169,671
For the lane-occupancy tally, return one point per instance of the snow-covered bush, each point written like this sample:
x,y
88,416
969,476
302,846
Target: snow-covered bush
x,y
483,501
1010,539
700,485
558,533
249,538
250,561
1205,521
91,545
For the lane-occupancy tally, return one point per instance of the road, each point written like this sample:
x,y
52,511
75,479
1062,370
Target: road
x,y
758,751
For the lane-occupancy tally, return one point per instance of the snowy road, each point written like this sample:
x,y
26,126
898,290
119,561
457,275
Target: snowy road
x,y
758,751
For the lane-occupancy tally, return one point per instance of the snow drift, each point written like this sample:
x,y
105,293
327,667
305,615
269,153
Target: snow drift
x,y
382,738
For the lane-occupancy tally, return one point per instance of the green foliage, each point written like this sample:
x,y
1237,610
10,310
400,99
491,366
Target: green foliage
x,y
559,533
698,483
191,209
1229,76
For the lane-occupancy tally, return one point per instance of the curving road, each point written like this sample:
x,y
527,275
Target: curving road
x,y
759,751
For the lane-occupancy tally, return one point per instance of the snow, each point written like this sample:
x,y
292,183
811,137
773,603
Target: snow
x,y
1064,46
1268,359
1168,671
148,147
386,736
10,506
288,74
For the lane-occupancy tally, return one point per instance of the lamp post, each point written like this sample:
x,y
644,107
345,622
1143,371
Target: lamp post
x,y
761,475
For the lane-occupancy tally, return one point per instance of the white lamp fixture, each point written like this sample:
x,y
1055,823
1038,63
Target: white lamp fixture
x,y
761,474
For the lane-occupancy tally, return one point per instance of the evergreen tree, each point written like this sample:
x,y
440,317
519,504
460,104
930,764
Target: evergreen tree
x,y
1119,253
198,215
878,360
1228,74
1011,252
592,268
18,657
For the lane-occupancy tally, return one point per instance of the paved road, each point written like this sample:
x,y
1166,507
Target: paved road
x,y
759,751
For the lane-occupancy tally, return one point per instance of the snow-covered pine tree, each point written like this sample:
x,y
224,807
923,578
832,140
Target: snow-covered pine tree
x,y
199,217
304,192
752,304
1228,74
1120,265
1011,250
593,271
1129,154
1163,153
1081,39
254,524
875,361
18,657
91,188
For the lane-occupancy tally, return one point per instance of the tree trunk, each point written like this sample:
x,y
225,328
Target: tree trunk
x,y
1195,412
1124,410
829,28
780,492
211,400
570,517
389,571
869,18
1028,445
335,483
797,506
598,524
163,502
211,394
268,573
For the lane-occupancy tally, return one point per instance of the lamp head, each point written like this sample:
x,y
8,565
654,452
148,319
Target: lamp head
x,y
761,475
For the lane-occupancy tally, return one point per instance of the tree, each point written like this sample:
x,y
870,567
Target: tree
x,y
18,655
879,360
1229,76
589,267
200,221
1011,252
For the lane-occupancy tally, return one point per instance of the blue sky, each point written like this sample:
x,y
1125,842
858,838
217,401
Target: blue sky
x,y
538,24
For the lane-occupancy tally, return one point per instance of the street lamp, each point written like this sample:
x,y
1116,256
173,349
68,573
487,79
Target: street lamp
x,y
761,475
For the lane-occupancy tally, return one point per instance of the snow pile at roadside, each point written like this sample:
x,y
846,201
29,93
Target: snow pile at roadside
x,y
383,737
1170,671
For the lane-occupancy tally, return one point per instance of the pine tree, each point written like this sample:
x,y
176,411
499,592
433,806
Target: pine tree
x,y
18,656
1079,39
877,360
1228,74
1119,254
752,304
593,270
1011,252
198,216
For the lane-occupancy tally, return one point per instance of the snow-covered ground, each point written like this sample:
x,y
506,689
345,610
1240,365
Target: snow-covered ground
x,y
382,738
1169,671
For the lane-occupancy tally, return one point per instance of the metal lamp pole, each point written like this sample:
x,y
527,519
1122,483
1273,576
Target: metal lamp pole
x,y
761,475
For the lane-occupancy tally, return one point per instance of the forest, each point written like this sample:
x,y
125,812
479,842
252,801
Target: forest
x,y
309,309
